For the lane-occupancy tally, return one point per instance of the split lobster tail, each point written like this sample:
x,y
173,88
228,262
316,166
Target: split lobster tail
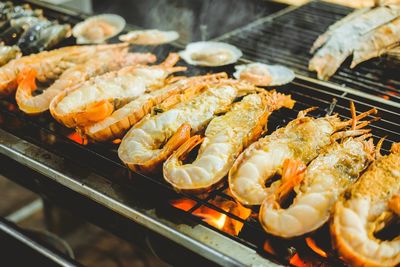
x,y
225,137
368,207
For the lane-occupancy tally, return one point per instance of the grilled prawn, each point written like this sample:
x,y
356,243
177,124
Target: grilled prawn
x,y
121,120
225,138
342,38
142,147
49,65
323,38
317,189
97,98
101,63
367,207
377,42
301,140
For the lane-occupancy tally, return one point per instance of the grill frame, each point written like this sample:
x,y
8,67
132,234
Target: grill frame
x,y
220,248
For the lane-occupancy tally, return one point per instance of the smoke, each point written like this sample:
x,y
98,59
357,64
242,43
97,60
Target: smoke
x,y
194,20
197,20
223,16
169,15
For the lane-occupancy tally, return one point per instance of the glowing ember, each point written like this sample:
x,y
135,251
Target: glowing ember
x,y
214,218
298,262
268,248
183,204
76,137
310,242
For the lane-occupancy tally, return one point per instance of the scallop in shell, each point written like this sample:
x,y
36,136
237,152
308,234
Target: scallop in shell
x,y
149,37
99,28
264,75
210,54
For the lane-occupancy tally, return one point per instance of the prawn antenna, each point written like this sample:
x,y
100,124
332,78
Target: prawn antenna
x,y
331,107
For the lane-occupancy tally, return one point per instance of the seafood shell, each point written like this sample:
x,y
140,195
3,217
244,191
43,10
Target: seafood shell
x,y
99,28
210,54
264,75
149,37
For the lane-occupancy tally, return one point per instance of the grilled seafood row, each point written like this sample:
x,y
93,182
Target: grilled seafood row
x,y
104,91
365,33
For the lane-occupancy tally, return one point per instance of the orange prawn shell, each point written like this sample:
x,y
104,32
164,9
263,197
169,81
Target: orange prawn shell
x,y
120,126
79,118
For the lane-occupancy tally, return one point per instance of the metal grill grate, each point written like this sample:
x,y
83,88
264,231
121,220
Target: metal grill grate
x,y
287,39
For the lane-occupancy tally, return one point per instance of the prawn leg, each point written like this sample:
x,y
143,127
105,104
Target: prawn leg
x,y
292,175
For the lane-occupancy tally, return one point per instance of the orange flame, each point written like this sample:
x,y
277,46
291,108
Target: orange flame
x,y
183,204
311,243
298,262
390,93
76,137
214,218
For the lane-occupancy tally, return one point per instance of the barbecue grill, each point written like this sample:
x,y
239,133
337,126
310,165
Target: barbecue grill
x,y
90,180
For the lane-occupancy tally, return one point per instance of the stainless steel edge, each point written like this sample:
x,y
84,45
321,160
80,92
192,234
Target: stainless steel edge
x,y
199,239
32,244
